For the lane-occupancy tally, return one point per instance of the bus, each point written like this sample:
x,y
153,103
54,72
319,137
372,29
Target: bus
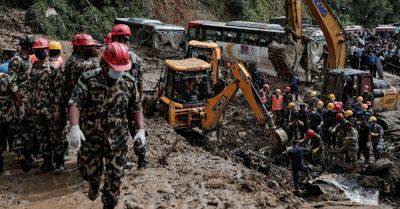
x,y
244,41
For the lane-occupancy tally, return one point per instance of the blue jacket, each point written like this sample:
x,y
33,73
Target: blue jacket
x,y
4,67
296,155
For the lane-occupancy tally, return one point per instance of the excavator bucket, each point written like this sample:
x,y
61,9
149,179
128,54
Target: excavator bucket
x,y
286,59
279,140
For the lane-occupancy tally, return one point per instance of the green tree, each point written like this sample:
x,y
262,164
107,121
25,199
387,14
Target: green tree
x,y
370,13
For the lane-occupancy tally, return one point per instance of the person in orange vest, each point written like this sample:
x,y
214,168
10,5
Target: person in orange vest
x,y
276,106
264,95
55,54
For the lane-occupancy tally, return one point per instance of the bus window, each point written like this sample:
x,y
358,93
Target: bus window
x,y
250,39
229,36
193,33
265,39
277,37
213,35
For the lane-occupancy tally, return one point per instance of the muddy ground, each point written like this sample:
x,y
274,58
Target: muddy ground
x,y
199,174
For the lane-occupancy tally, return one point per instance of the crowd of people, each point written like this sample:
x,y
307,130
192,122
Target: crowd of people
x,y
94,96
318,127
372,52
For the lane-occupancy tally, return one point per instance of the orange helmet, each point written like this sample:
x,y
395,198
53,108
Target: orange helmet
x,y
364,106
330,106
116,55
320,104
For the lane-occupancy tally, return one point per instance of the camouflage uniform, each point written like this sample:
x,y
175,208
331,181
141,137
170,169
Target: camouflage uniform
x,y
350,146
105,107
137,72
46,96
21,130
7,109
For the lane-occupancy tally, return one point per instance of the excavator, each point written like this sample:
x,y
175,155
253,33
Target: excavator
x,y
336,78
209,52
185,98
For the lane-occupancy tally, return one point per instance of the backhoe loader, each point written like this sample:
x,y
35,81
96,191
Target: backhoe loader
x,y
185,98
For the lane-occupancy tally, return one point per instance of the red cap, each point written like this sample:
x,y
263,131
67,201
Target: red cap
x,y
338,108
287,88
40,43
339,116
121,30
116,55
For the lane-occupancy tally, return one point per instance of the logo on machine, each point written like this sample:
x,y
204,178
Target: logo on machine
x,y
320,7
220,104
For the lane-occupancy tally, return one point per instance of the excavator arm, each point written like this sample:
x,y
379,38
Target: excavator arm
x,y
216,105
330,26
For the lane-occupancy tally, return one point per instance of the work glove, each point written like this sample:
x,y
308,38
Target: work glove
x,y
76,136
139,140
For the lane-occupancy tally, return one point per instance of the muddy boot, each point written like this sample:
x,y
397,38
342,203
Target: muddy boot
x,y
47,165
60,167
27,163
108,206
94,190
141,153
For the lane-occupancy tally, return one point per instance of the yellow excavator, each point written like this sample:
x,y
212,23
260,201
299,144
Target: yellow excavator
x,y
185,98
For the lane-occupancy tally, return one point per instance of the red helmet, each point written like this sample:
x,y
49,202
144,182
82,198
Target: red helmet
x,y
108,38
116,55
287,88
339,116
338,108
40,43
310,134
121,30
84,40
340,103
75,37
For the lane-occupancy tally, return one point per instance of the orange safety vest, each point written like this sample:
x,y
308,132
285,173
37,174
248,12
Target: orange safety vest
x,y
277,102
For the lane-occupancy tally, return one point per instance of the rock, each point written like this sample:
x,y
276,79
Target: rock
x,y
132,205
380,168
215,184
242,134
272,184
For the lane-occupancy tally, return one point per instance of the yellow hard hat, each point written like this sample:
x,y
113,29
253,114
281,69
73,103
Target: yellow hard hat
x,y
330,106
360,99
372,119
348,113
291,105
313,94
320,104
331,96
55,45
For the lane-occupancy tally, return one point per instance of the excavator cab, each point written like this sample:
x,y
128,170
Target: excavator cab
x,y
346,84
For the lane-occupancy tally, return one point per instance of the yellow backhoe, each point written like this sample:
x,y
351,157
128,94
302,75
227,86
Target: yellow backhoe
x,y
186,100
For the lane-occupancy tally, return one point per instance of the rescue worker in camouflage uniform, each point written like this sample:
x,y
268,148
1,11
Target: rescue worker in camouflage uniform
x,y
102,100
9,98
350,144
376,137
46,95
314,143
21,130
120,33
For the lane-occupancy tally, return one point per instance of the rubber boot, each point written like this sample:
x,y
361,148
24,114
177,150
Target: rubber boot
x,y
47,165
94,190
27,163
60,167
141,153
